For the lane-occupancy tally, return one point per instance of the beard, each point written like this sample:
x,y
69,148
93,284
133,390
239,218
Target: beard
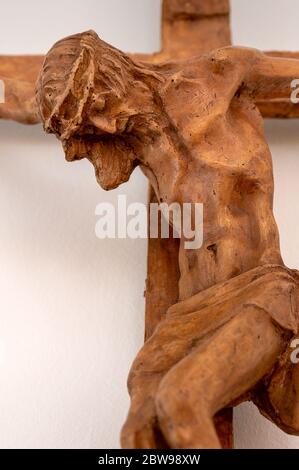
x,y
112,157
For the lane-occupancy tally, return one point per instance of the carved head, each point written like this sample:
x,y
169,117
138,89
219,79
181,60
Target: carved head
x,y
99,103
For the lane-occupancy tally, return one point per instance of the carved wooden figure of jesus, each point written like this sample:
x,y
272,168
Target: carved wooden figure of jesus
x,y
195,131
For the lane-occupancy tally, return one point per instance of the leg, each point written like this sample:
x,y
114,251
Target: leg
x,y
159,354
215,374
141,430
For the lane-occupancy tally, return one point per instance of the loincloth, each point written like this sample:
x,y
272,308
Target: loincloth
x,y
186,324
274,289
270,288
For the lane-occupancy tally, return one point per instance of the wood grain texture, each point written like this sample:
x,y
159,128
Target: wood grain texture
x,y
188,28
163,274
193,27
220,318
280,107
194,129
24,68
19,74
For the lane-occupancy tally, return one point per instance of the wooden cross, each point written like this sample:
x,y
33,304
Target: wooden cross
x,y
189,28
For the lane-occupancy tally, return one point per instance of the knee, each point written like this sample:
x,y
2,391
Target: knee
x,y
183,417
175,396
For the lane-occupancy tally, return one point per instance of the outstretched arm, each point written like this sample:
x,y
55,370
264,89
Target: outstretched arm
x,y
271,78
19,75
19,101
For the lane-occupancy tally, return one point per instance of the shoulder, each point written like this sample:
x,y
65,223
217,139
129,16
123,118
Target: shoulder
x,y
233,56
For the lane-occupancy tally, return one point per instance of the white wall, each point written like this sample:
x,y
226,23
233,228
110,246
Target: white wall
x,y
71,306
270,25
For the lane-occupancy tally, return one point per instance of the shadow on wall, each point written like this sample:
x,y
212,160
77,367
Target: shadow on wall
x,y
72,306
251,429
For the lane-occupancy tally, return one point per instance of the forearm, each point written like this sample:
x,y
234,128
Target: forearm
x,y
272,78
18,101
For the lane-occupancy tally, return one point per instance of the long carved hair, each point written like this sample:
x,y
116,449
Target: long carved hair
x,y
70,76
101,104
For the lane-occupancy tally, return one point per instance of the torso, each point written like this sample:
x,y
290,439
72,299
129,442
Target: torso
x,y
232,176
223,161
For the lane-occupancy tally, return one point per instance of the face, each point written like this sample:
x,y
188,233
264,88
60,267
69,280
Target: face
x,y
111,137
96,106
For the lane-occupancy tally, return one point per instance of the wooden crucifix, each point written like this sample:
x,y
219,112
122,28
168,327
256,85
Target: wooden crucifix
x,y
220,320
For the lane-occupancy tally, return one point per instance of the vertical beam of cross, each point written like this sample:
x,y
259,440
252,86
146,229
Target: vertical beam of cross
x,y
189,28
192,27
